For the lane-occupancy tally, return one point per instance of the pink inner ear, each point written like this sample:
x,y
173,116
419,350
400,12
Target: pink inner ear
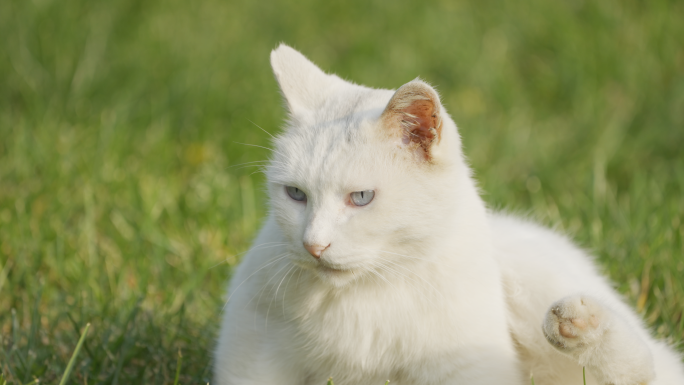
x,y
413,113
418,123
422,123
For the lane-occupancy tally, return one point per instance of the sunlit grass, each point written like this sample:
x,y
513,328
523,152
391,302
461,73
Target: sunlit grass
x,y
119,129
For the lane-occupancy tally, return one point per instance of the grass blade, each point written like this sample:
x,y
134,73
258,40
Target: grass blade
x,y
178,367
584,375
72,361
126,339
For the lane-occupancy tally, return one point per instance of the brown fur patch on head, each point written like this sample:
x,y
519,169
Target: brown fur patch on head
x,y
415,113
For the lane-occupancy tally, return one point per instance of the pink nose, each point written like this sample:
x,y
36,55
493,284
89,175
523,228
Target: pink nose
x,y
315,250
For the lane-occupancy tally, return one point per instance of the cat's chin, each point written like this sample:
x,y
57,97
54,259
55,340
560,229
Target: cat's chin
x,y
335,277
332,275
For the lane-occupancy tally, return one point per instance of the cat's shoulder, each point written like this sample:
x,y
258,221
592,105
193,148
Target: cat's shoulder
x,y
510,228
520,242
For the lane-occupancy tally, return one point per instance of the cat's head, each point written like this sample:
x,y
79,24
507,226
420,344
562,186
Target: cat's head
x,y
361,180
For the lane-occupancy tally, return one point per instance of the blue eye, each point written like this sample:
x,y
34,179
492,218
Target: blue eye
x,y
295,193
362,198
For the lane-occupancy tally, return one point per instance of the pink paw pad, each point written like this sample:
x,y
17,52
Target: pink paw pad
x,y
573,322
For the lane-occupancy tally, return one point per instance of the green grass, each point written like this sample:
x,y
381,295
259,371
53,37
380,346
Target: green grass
x,y
120,205
74,356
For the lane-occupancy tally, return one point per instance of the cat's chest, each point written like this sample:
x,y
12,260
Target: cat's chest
x,y
379,330
369,331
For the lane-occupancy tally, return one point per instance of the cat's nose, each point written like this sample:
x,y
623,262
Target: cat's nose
x,y
314,249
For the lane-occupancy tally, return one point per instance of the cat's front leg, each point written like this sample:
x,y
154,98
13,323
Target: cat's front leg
x,y
599,339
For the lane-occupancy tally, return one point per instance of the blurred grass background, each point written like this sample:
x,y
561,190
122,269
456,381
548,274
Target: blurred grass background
x,y
120,205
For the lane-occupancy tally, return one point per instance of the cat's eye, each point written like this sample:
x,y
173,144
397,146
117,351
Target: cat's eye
x,y
362,198
295,193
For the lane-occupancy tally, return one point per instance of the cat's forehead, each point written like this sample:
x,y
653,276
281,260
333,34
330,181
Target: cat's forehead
x,y
347,105
335,145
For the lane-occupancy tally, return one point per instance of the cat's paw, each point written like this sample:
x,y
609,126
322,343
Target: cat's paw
x,y
575,323
597,338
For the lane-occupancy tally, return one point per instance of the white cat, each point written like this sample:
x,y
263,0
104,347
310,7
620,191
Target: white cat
x,y
379,260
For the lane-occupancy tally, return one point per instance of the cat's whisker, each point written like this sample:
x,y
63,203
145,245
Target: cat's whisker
x,y
259,127
403,267
264,147
384,279
261,292
246,163
259,166
414,284
276,259
265,285
271,263
384,264
256,145
373,275
394,263
403,255
356,278
299,275
265,164
287,285
271,244
277,164
275,297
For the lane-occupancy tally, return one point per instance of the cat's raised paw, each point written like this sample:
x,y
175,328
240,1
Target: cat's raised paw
x,y
597,338
575,322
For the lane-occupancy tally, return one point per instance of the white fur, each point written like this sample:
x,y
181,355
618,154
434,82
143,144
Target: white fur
x,y
421,286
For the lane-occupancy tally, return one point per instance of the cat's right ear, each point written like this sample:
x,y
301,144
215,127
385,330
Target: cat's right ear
x,y
414,114
303,84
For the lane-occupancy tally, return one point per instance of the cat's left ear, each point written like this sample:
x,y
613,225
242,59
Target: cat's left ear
x,y
414,114
304,86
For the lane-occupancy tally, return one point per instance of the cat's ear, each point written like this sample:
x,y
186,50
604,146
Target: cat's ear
x,y
303,84
414,114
